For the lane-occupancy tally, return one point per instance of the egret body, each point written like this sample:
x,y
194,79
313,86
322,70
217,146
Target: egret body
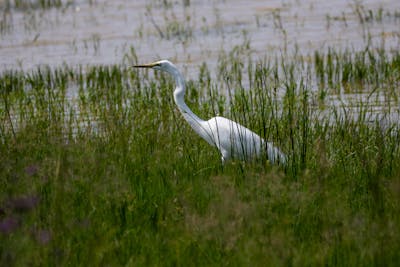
x,y
232,139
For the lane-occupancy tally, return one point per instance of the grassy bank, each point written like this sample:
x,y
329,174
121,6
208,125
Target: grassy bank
x,y
98,168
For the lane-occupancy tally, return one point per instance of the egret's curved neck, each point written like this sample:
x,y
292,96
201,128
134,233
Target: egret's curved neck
x,y
198,125
179,97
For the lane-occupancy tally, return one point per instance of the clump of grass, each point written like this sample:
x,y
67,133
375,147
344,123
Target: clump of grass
x,y
108,173
356,71
177,26
34,4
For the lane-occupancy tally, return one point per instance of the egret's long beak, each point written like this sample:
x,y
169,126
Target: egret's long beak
x,y
150,65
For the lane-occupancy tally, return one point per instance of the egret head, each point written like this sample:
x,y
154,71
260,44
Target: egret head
x,y
164,65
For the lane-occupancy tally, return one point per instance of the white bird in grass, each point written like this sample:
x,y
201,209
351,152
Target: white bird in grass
x,y
232,139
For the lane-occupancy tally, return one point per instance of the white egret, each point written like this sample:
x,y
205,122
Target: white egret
x,y
232,139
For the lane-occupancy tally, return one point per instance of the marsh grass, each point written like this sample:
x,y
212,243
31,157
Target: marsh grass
x,y
34,4
108,172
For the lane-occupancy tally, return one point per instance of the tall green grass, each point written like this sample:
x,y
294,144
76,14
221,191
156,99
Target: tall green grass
x,y
98,168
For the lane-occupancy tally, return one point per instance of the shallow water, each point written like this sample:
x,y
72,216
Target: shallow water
x,y
105,31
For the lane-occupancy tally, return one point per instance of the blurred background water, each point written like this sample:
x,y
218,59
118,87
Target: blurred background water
x,y
189,32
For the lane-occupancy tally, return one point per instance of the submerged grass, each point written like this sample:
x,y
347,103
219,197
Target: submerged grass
x,y
33,4
97,168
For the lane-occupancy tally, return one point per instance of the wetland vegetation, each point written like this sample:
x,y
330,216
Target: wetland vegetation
x,y
117,177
